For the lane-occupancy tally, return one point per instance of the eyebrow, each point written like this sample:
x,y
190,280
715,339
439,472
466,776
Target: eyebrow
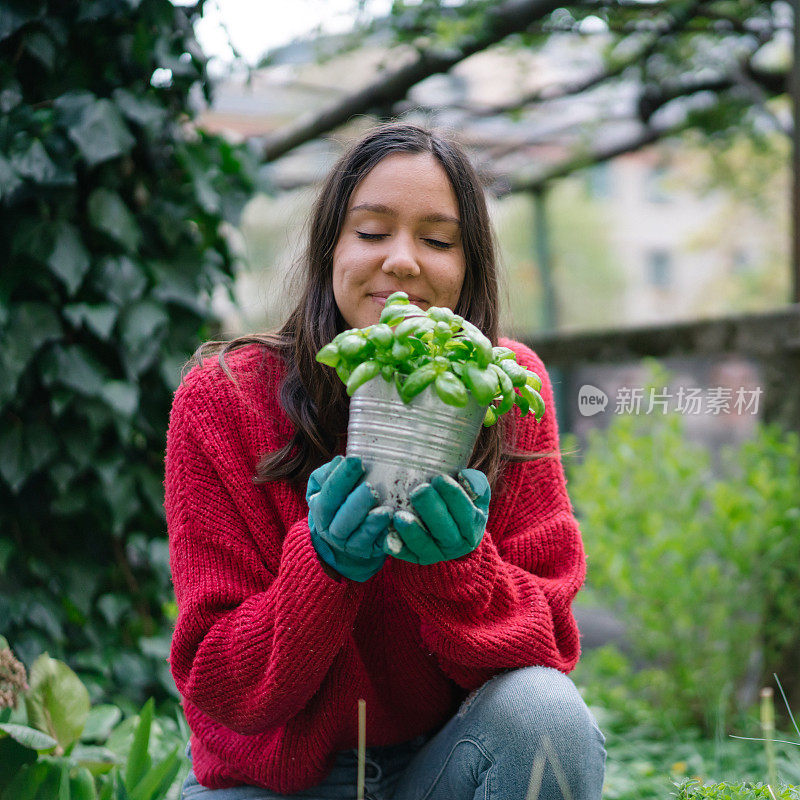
x,y
379,208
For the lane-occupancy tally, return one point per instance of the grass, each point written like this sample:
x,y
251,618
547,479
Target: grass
x,y
650,760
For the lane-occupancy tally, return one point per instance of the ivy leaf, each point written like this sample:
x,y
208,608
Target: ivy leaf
x,y
57,703
10,96
15,17
30,325
31,239
177,284
123,397
113,607
121,280
74,367
41,47
99,318
69,259
80,445
71,106
141,110
34,163
109,214
9,180
101,133
23,452
142,329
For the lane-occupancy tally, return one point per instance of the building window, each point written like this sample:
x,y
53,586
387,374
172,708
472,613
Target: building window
x,y
659,268
655,185
740,261
599,181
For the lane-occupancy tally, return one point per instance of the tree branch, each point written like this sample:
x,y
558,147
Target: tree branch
x,y
501,21
679,20
537,181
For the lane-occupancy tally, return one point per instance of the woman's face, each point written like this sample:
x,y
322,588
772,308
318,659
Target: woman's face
x,y
402,232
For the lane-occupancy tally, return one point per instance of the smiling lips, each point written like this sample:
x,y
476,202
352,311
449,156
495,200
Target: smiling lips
x,y
380,297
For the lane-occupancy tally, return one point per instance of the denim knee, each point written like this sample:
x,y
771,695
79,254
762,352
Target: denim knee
x,y
525,704
524,730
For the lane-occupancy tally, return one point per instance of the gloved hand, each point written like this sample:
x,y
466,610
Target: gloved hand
x,y
450,519
347,530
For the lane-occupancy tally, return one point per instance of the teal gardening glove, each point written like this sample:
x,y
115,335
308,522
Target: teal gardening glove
x,y
347,531
450,520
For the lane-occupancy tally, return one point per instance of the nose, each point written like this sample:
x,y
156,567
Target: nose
x,y
401,258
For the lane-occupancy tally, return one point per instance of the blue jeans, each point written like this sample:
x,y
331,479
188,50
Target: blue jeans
x,y
525,734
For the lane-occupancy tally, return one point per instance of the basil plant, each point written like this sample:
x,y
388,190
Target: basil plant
x,y
417,349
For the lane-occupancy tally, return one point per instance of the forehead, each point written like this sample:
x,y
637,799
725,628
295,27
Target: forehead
x,y
408,178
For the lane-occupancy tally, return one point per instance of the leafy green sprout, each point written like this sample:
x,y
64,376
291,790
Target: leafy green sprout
x,y
416,349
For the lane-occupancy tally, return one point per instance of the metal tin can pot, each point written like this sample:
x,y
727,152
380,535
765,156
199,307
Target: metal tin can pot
x,y
403,445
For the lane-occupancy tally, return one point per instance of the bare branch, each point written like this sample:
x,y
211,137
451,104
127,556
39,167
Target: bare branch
x,y
501,21
537,181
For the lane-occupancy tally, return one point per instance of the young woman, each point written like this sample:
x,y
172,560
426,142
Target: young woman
x,y
292,607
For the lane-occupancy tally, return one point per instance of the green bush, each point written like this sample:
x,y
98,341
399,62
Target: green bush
x,y
56,746
112,240
699,559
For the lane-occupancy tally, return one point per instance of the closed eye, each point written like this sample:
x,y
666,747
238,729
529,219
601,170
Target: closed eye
x,y
439,244
370,236
374,237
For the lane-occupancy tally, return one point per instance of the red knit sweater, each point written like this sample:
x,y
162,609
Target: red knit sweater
x,y
271,654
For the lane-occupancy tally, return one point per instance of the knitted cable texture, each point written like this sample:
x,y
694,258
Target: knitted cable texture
x,y
271,655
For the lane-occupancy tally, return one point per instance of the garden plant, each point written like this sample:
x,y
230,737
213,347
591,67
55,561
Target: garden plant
x,y
54,745
417,349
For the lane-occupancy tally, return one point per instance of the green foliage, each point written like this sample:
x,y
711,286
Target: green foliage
x,y
57,702
64,749
700,560
432,22
437,348
647,756
691,790
111,241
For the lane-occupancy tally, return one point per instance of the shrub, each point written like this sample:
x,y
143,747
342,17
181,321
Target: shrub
x,y
700,560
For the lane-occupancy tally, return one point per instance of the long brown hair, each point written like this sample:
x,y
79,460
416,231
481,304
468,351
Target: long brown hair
x,y
312,396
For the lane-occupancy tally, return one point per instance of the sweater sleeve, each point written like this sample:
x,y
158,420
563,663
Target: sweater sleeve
x,y
508,603
255,634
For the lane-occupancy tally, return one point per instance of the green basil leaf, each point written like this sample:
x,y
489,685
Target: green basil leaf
x,y
417,381
361,374
451,390
481,382
329,355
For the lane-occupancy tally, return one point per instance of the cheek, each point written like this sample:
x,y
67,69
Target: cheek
x,y
349,264
452,281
